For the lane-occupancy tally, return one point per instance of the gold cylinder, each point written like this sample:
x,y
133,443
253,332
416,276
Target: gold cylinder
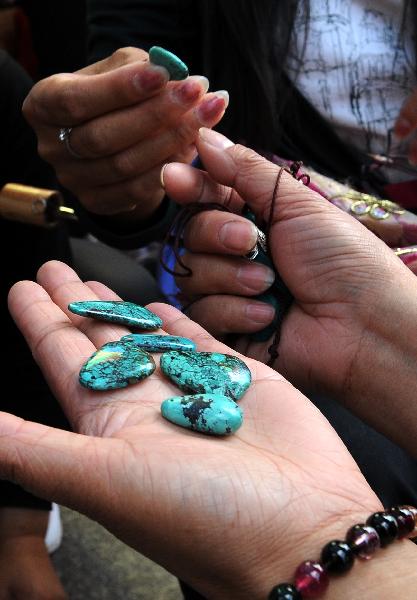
x,y
30,205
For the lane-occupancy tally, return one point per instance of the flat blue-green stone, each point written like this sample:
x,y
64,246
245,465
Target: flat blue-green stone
x,y
176,68
116,365
124,313
159,343
207,413
207,373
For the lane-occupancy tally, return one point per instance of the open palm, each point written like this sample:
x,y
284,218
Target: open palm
x,y
211,510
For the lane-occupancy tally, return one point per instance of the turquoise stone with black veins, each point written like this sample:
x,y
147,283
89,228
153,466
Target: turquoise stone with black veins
x,y
207,413
159,343
176,68
123,313
116,365
207,372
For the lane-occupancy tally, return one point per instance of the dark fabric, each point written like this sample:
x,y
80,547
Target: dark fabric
x,y
22,250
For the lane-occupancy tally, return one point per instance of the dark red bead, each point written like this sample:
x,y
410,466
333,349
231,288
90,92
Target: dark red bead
x,y
363,540
284,591
311,580
405,519
386,527
337,557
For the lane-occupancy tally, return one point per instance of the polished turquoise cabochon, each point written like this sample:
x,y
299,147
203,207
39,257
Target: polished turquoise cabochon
x,y
207,372
116,365
207,413
176,68
159,343
123,313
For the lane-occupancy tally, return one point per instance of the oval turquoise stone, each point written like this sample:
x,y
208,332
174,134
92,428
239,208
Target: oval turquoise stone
x,y
207,413
159,343
116,365
207,372
176,68
123,313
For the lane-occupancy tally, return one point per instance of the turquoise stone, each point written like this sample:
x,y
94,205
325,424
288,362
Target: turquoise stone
x,y
207,413
207,372
124,313
116,365
159,343
176,68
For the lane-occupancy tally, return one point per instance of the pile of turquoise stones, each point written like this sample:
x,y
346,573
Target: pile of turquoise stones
x,y
214,381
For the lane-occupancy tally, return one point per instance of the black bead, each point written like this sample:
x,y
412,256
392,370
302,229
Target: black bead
x,y
386,526
405,519
337,557
284,591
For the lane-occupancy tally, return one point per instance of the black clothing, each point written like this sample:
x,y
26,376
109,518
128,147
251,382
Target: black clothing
x,y
23,249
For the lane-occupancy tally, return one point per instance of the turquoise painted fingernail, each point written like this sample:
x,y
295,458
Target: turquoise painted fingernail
x,y
174,65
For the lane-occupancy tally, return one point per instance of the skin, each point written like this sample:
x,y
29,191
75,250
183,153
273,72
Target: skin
x,y
406,125
26,571
353,312
127,121
222,514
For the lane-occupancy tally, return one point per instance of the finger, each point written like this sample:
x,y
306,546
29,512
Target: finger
x,y
141,157
60,466
120,129
64,286
237,315
185,185
68,99
139,196
216,232
212,274
407,119
119,58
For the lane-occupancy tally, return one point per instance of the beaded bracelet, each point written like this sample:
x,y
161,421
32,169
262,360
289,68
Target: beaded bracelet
x,y
311,578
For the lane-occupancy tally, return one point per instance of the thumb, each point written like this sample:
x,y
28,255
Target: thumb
x,y
254,178
58,465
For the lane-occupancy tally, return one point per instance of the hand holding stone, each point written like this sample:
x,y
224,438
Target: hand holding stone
x,y
353,297
229,516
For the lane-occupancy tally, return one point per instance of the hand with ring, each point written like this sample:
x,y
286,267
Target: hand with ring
x,y
351,293
108,128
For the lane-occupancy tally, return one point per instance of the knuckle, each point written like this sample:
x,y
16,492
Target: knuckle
x,y
126,55
93,142
66,99
123,165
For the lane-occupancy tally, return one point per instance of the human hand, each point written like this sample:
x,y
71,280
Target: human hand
x,y
26,571
233,516
126,120
353,312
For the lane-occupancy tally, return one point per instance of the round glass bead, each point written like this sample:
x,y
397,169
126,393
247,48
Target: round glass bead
x,y
337,557
284,591
311,580
405,519
386,527
363,540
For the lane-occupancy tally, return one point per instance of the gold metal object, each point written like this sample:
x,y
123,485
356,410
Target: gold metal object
x,y
402,251
365,204
32,205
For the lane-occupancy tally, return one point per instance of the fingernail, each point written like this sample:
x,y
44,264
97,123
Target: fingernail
x,y
212,107
256,277
260,313
151,79
236,235
161,175
214,138
402,127
191,89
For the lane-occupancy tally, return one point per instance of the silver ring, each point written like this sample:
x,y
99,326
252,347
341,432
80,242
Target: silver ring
x,y
64,137
261,243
